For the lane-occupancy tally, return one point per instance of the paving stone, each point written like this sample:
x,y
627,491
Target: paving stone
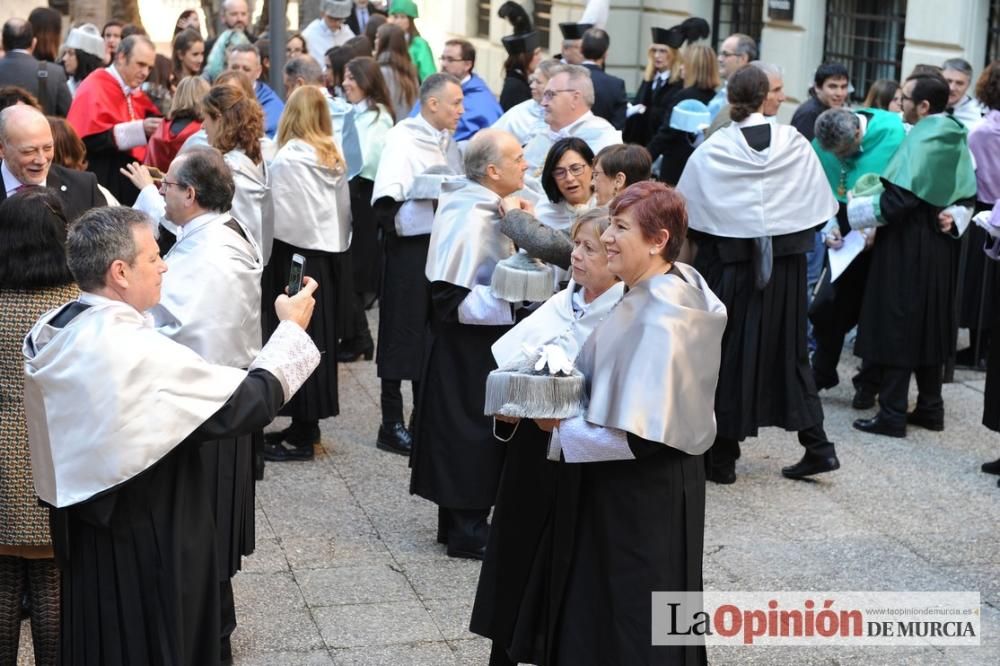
x,y
471,652
314,658
451,578
452,616
376,624
272,630
354,585
417,654
275,591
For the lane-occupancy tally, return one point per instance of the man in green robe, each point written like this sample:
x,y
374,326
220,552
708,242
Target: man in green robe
x,y
921,204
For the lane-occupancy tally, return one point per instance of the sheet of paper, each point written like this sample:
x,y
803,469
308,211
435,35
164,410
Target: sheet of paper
x,y
840,259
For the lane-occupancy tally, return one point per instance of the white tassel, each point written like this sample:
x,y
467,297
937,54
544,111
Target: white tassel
x,y
522,278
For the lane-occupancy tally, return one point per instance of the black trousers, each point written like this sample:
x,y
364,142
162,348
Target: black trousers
x,y
392,400
724,452
895,388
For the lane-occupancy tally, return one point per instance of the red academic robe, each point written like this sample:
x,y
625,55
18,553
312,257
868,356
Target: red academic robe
x,y
100,104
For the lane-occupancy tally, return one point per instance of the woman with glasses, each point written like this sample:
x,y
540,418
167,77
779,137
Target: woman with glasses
x,y
403,13
312,217
34,279
567,178
295,46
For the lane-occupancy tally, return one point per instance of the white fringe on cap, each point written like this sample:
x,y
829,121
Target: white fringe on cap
x,y
521,390
522,278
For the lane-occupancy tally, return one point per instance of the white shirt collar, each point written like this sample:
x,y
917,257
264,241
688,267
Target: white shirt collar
x,y
361,106
199,222
441,134
753,120
10,182
662,76
90,298
118,77
564,131
468,77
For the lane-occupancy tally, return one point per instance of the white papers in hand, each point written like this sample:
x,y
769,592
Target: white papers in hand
x,y
854,243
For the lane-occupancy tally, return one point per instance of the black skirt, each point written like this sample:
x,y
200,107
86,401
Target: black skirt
x,y
765,378
229,471
978,281
366,249
403,308
991,399
318,398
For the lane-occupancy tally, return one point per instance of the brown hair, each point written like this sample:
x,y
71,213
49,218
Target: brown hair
x,y
598,217
701,67
46,26
183,41
368,76
747,90
240,119
187,98
628,158
68,148
468,50
881,93
655,207
988,86
391,50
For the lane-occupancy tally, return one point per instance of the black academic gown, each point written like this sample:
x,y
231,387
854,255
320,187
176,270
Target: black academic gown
x,y
404,300
641,127
675,145
515,89
456,461
976,311
765,378
104,160
991,399
139,562
366,249
908,313
562,532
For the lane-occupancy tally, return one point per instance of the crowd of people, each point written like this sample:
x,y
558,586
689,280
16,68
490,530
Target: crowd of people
x,y
679,257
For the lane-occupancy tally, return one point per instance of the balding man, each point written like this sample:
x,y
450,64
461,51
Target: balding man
x,y
19,67
26,150
236,17
567,101
115,118
456,461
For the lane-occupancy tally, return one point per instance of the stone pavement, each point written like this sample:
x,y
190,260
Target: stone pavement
x,y
347,570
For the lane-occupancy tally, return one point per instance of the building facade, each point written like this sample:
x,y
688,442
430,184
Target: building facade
x,y
874,38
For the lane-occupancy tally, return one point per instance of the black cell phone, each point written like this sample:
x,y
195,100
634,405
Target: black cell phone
x,y
296,276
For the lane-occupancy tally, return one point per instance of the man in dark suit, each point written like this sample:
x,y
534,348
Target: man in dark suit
x,y
19,68
360,13
610,101
26,149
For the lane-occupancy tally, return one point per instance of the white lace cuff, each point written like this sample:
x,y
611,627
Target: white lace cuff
x,y
290,355
582,442
864,212
961,215
129,135
482,308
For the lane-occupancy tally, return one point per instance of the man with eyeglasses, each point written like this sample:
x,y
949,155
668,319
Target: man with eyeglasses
x,y
221,324
329,30
26,150
921,203
481,106
736,50
567,102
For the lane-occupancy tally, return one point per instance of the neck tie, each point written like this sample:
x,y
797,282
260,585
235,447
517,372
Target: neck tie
x,y
352,146
362,18
23,187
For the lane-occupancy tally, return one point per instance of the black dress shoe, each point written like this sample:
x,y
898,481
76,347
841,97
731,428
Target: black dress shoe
x,y
863,399
925,421
877,425
469,552
295,442
721,475
811,464
281,452
350,351
991,467
395,438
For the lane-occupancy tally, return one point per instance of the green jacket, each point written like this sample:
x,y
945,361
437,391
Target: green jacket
x,y
882,137
934,162
423,59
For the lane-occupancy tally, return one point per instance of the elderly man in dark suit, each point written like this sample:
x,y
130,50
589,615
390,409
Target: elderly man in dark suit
x,y
610,101
19,68
26,150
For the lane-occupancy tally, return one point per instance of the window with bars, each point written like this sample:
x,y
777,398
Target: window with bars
x,y
867,37
541,19
483,18
729,16
993,33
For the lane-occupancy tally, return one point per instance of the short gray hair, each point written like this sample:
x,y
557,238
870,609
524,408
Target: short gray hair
x,y
579,80
958,65
482,151
306,68
434,84
97,239
204,169
837,131
769,68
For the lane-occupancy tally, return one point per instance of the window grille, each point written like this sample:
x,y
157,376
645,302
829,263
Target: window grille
x,y
867,37
729,16
993,33
541,18
483,18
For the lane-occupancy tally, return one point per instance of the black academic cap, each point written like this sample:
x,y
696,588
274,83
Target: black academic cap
x,y
574,30
517,16
690,30
526,43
